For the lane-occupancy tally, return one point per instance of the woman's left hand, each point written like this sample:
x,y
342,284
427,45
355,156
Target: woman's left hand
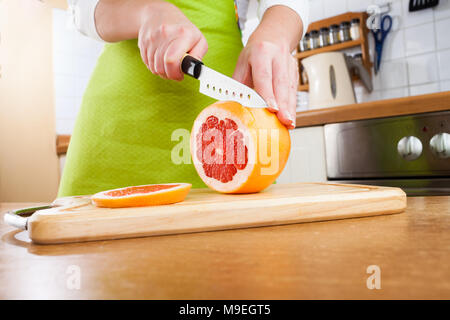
x,y
273,72
266,63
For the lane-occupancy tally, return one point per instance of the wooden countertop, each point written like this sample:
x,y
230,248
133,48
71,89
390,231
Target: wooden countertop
x,y
322,260
376,109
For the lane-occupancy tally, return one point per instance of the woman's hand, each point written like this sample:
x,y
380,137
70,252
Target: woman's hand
x,y
165,37
272,71
266,63
164,33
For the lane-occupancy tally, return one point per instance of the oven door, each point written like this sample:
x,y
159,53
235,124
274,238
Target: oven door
x,y
392,152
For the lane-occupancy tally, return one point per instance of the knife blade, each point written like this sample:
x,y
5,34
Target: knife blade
x,y
220,87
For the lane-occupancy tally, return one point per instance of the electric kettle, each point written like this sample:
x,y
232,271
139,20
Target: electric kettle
x,y
330,83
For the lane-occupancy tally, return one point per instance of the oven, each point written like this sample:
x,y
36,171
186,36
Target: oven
x,y
411,152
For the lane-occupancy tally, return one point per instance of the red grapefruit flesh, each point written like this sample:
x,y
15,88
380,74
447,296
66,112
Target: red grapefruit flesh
x,y
138,196
237,149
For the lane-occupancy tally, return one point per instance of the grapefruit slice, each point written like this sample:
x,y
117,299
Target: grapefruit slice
x,y
237,149
139,196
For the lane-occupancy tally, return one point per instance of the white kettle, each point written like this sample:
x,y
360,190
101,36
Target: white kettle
x,y
329,80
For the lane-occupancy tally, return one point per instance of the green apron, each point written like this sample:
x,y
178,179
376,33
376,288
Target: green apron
x,y
123,133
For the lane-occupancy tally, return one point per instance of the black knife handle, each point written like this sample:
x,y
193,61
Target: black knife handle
x,y
191,66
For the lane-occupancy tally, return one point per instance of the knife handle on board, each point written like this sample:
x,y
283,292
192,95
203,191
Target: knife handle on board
x,y
191,66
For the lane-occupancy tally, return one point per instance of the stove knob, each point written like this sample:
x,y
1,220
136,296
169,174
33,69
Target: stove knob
x,y
409,148
440,145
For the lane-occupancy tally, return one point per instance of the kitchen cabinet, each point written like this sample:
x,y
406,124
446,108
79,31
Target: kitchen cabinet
x,y
28,160
307,159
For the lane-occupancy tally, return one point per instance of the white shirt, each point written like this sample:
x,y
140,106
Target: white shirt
x,y
81,13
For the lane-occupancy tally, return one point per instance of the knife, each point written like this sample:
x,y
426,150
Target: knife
x,y
220,87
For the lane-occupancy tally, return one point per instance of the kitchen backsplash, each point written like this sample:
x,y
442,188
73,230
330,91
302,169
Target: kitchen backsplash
x,y
416,55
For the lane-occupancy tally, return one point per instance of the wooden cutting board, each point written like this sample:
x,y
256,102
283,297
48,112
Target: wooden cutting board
x,y
76,219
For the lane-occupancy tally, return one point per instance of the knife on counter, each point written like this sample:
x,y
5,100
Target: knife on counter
x,y
220,87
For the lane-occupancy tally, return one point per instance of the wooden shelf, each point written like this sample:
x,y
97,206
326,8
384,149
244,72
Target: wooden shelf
x,y
362,42
334,47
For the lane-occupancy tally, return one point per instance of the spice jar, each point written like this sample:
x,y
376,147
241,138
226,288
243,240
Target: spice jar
x,y
354,29
334,34
301,46
314,39
344,32
324,37
305,42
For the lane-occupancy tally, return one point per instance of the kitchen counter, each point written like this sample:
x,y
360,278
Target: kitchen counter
x,y
360,111
375,109
304,261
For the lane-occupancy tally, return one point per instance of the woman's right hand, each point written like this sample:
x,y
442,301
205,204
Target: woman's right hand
x,y
165,36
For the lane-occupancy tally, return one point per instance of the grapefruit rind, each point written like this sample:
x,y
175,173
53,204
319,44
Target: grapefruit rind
x,y
250,121
170,195
241,175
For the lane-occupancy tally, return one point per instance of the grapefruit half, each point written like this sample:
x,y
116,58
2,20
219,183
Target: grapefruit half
x,y
237,149
139,196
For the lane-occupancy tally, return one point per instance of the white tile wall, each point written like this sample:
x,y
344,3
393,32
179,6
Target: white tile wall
x,y
415,18
424,89
393,74
442,36
74,58
420,39
445,85
416,54
444,10
444,64
423,69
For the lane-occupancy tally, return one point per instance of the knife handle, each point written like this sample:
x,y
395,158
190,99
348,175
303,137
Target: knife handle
x,y
191,66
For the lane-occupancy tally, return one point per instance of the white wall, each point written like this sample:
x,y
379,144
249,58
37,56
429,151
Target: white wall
x,y
416,55
74,58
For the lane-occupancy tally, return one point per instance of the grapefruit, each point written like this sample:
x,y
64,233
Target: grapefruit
x,y
237,149
139,196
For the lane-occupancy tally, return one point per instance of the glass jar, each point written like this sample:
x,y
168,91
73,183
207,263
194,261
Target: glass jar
x,y
324,37
301,46
314,40
334,34
305,42
354,29
344,32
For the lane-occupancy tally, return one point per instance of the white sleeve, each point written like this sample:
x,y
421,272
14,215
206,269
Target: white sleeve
x,y
299,6
81,17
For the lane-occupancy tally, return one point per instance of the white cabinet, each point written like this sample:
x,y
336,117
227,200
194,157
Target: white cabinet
x,y
28,161
307,159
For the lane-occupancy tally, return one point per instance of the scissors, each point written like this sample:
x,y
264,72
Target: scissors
x,y
380,36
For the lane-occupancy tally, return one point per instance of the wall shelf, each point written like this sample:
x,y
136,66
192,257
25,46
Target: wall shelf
x,y
362,42
334,47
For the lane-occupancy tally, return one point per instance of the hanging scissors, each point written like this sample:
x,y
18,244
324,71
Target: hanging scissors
x,y
380,36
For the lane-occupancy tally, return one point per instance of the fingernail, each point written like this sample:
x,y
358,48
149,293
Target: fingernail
x,y
289,116
273,105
